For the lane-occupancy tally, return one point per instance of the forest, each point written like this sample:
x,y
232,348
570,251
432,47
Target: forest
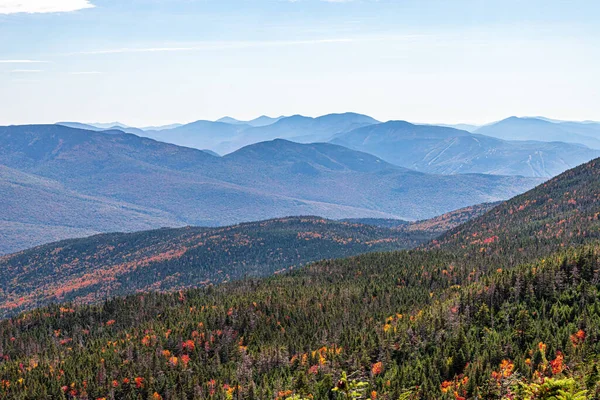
x,y
505,306
91,269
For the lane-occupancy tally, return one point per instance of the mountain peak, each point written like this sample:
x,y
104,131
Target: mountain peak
x,y
524,119
543,130
229,120
263,120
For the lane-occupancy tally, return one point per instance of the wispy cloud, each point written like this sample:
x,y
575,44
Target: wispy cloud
x,y
215,46
26,71
85,73
22,61
42,6
234,45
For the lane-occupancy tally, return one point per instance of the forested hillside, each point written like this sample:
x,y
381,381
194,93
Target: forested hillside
x,y
399,322
562,212
92,269
456,323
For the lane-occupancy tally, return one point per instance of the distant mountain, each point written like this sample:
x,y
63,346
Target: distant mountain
x,y
316,157
305,129
79,125
199,134
515,128
109,125
227,134
103,127
464,127
561,121
544,119
443,150
106,265
160,127
257,122
230,120
299,129
588,128
38,210
329,173
95,126
212,153
194,134
134,131
168,185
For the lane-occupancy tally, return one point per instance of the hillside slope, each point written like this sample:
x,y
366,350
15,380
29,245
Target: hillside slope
x,y
424,324
185,186
95,268
444,150
328,173
199,134
515,128
562,212
39,210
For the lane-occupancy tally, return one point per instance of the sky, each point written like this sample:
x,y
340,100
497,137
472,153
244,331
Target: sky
x,y
152,62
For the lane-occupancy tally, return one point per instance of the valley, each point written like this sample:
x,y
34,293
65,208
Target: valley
x,y
500,318
134,183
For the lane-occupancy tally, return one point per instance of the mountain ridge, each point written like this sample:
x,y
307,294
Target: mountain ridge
x,y
450,151
185,186
94,268
529,128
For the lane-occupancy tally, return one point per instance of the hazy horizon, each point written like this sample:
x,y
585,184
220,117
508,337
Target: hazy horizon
x,y
440,123
156,62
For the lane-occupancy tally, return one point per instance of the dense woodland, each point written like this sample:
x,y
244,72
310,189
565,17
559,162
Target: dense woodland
x,y
503,307
92,269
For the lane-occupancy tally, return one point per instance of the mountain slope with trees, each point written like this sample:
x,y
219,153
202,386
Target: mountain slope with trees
x,y
455,323
562,212
92,269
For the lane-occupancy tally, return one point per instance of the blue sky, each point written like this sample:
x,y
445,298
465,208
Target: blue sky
x,y
146,62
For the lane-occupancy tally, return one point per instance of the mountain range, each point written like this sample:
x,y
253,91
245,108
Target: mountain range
x,y
263,120
545,130
227,134
52,173
530,146
502,306
445,150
